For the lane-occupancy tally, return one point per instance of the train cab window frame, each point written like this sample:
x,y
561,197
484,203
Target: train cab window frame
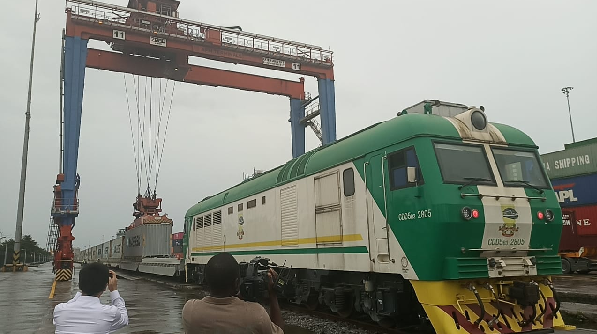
x,y
508,179
252,203
464,166
398,162
240,207
348,182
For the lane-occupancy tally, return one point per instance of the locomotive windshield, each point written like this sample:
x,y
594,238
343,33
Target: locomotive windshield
x,y
519,168
463,164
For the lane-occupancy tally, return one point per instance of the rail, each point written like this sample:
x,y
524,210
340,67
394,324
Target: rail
x,y
101,13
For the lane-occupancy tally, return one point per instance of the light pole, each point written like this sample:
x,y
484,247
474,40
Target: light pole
x,y
566,91
5,250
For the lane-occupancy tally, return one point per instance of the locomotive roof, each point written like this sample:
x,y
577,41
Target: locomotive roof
x,y
358,144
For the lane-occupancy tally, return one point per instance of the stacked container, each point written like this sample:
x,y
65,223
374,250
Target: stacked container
x,y
177,244
573,174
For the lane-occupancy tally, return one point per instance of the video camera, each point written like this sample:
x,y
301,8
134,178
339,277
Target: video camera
x,y
254,279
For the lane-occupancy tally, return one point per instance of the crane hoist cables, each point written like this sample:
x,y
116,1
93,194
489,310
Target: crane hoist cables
x,y
149,117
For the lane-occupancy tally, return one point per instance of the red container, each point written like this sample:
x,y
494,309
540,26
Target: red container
x,y
580,228
177,236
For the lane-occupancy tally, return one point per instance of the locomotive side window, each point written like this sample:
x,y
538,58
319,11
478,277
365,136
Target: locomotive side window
x,y
398,163
251,204
262,199
348,178
230,210
240,207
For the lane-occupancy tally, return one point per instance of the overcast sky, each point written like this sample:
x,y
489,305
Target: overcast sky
x,y
512,57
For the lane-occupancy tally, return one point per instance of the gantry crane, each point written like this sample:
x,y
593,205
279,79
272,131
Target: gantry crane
x,y
149,38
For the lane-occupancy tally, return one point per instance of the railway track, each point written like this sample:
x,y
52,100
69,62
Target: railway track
x,y
359,321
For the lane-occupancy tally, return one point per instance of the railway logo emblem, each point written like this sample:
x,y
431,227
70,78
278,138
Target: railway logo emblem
x,y
241,233
509,216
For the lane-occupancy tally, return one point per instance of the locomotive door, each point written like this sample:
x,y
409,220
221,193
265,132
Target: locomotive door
x,y
375,173
328,216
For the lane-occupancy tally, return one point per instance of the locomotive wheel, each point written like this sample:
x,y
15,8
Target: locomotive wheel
x,y
312,301
386,322
346,313
348,305
566,266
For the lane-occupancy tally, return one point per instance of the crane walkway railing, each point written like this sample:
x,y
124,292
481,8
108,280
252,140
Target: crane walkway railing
x,y
106,14
65,206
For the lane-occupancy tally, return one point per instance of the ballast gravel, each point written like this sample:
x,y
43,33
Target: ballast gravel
x,y
310,324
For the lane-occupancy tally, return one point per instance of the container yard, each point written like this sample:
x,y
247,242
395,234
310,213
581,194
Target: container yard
x,y
573,175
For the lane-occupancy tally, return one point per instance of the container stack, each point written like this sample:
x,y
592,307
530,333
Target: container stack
x,y
573,175
177,245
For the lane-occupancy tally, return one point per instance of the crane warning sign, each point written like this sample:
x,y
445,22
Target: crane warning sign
x,y
274,62
157,41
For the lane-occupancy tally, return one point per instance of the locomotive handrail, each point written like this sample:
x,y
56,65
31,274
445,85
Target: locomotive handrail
x,y
497,197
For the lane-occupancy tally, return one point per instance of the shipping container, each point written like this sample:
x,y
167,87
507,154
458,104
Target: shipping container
x,y
148,240
176,249
116,250
578,245
105,251
576,191
178,236
576,159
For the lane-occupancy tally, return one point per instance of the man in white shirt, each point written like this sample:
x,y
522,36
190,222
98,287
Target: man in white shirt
x,y
85,313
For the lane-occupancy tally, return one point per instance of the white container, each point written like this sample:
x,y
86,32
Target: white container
x,y
148,240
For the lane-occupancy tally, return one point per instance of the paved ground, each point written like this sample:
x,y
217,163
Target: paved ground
x,y
153,308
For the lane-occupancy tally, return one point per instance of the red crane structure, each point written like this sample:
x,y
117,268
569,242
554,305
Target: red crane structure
x,y
148,38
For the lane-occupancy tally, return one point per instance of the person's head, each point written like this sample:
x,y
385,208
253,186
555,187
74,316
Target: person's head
x,y
222,273
93,279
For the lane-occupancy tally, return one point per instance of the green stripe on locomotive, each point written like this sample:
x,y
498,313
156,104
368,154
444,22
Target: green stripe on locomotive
x,y
433,246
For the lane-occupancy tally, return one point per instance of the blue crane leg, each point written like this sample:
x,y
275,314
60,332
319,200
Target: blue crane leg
x,y
75,59
297,112
327,104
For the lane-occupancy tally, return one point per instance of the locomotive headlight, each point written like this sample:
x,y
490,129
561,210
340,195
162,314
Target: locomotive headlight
x,y
549,215
468,213
478,120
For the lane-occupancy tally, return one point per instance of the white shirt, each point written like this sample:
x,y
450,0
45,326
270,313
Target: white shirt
x,y
86,314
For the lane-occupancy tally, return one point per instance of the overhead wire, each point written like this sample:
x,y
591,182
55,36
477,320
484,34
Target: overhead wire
x,y
128,107
144,156
159,127
151,132
165,134
161,105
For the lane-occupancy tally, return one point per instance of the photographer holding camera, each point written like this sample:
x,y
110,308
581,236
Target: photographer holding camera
x,y
222,311
85,313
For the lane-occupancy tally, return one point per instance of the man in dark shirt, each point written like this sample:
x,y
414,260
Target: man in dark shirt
x,y
223,312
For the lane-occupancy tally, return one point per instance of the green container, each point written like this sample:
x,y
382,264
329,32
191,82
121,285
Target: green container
x,y
576,159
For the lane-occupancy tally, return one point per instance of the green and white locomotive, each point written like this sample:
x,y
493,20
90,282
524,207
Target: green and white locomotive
x,y
434,215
